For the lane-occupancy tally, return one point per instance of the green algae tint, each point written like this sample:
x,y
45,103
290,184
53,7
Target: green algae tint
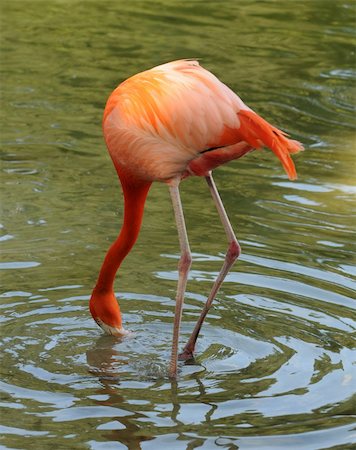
x,y
274,365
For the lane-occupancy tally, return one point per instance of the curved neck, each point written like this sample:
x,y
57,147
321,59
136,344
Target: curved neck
x,y
135,194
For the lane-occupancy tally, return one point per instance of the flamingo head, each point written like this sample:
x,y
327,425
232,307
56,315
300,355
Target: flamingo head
x,y
106,312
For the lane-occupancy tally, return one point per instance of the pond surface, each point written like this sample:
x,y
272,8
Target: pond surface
x,y
274,365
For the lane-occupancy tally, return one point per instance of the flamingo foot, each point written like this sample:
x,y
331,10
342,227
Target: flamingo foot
x,y
186,355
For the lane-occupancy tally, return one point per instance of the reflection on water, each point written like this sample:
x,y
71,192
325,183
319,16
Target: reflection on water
x,y
274,364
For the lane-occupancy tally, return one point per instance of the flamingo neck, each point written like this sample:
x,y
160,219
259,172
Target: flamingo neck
x,y
103,304
135,194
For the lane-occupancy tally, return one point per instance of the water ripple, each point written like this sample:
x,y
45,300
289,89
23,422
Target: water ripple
x,y
274,363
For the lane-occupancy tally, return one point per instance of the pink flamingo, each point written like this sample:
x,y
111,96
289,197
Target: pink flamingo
x,y
165,124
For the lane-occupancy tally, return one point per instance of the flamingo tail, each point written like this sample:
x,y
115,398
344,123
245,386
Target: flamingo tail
x,y
257,132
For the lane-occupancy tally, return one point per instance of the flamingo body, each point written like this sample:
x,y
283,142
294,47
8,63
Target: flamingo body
x,y
165,124
160,123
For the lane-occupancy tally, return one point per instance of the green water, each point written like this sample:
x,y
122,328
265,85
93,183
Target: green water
x,y
275,360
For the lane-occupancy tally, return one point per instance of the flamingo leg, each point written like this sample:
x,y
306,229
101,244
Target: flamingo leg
x,y
183,269
232,254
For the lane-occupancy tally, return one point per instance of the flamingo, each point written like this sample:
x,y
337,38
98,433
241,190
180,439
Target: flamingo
x,y
165,124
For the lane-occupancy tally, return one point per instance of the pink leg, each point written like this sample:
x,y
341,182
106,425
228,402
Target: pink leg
x,y
232,254
183,268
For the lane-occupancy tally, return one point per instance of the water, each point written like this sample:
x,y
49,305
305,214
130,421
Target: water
x,y
274,366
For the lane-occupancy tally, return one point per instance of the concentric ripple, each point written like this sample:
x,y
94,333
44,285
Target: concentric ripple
x,y
262,360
